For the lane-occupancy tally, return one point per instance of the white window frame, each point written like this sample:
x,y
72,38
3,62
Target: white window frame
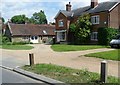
x,y
61,23
95,19
61,36
94,36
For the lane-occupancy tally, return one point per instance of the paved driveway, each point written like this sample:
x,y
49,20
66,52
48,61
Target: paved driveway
x,y
44,54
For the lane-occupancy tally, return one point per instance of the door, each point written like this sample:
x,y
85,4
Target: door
x,y
34,39
61,36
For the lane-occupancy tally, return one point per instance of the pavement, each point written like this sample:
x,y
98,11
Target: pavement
x,y
73,59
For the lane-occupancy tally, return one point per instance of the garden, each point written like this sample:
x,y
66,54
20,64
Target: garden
x,y
6,44
68,75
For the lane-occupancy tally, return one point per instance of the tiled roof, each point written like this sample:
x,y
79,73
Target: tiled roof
x,y
67,13
31,29
104,6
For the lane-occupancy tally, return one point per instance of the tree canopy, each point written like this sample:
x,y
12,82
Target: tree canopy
x,y
19,19
39,18
3,20
81,29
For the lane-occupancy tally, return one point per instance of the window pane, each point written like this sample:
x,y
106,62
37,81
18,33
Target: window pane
x,y
36,37
32,37
61,23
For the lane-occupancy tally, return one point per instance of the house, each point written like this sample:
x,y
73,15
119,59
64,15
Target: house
x,y
105,14
30,32
1,25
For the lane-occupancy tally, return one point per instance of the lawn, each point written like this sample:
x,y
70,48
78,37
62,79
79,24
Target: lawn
x,y
65,48
16,47
109,55
66,74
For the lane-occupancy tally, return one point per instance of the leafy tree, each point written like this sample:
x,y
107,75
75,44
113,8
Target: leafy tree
x,y
19,19
38,18
105,35
3,20
81,29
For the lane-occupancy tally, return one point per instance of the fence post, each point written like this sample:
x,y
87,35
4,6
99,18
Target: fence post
x,y
31,59
104,69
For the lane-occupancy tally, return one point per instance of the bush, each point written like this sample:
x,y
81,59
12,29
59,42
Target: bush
x,y
5,40
105,35
0,39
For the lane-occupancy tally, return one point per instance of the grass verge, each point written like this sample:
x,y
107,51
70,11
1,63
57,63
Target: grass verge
x,y
109,55
16,47
65,48
66,74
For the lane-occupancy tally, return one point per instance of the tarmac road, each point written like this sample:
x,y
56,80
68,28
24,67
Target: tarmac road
x,y
8,76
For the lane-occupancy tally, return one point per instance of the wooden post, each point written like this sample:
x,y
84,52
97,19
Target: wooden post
x,y
31,59
104,68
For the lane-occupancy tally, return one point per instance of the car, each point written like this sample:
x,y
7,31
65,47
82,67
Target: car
x,y
115,43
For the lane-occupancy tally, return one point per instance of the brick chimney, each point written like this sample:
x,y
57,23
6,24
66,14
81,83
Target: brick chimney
x,y
68,7
94,3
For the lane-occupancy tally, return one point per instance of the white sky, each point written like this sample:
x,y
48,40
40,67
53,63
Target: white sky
x,y
11,8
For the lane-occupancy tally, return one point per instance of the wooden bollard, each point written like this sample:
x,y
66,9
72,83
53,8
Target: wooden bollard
x,y
104,69
31,59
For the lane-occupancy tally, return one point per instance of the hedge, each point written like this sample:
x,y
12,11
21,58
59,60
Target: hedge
x,y
105,35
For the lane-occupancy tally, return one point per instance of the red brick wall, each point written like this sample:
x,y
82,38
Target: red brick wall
x,y
103,18
119,15
115,17
65,21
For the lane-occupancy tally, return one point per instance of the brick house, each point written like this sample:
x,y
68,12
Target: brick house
x,y
29,32
1,25
105,14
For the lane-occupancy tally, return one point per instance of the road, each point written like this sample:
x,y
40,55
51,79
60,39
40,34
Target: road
x,y
13,77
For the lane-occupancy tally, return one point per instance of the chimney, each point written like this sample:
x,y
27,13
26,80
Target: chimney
x,y
94,3
9,21
68,7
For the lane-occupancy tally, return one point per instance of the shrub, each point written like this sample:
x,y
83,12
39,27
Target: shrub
x,y
0,39
81,29
105,35
5,40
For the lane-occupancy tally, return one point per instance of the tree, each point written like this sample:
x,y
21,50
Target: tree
x,y
19,19
38,18
3,20
81,29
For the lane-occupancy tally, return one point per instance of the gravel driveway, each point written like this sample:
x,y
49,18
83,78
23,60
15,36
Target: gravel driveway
x,y
44,54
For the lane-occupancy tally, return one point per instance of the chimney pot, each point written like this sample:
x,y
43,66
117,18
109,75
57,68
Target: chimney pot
x,y
94,3
68,7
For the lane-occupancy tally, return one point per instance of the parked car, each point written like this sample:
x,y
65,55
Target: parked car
x,y
115,42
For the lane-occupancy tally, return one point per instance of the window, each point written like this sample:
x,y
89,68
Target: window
x,y
62,35
61,23
44,31
36,37
94,36
95,19
32,37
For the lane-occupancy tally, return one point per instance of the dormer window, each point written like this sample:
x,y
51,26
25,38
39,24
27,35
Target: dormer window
x,y
44,31
95,19
61,23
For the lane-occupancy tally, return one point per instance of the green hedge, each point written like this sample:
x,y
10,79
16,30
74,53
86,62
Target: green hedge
x,y
105,35
5,39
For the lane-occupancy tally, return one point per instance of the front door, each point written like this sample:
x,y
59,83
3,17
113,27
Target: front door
x,y
34,39
61,36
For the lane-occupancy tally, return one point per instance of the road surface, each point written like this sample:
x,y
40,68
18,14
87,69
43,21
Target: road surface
x,y
8,76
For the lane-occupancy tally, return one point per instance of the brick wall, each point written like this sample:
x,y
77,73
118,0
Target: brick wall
x,y
115,17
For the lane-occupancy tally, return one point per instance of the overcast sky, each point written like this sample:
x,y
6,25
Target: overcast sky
x,y
10,8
